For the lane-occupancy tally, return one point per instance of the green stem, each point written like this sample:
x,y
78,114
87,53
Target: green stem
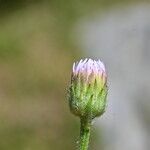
x,y
84,134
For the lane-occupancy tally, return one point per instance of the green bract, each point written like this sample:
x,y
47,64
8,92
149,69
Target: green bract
x,y
88,89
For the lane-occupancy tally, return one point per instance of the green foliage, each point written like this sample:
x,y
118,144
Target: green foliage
x,y
9,48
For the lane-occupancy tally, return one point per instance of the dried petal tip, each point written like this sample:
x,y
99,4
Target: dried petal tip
x,y
88,89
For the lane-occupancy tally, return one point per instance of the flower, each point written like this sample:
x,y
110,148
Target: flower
x,y
88,89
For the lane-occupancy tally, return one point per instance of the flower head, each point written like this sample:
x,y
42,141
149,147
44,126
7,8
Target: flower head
x,y
89,70
88,90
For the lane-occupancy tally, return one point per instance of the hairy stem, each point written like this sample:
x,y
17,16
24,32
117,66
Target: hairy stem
x,y
84,133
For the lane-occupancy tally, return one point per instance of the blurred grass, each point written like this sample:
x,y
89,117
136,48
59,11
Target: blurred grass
x,y
36,54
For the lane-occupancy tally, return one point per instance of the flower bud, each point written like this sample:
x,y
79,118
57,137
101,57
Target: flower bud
x,y
88,89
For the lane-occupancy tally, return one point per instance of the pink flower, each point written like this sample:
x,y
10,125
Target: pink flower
x,y
88,70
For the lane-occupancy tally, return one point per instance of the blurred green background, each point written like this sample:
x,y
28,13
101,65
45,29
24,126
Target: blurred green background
x,y
36,56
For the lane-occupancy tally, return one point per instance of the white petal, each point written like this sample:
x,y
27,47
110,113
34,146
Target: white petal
x,y
73,68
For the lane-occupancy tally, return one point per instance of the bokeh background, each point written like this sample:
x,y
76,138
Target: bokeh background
x,y
39,41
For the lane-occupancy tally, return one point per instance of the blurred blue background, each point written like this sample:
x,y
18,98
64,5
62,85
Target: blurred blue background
x,y
39,41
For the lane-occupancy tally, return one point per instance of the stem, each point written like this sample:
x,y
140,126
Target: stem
x,y
84,133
